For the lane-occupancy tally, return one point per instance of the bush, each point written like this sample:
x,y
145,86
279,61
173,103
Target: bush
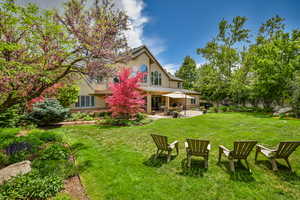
x,y
47,112
55,152
61,168
46,136
3,160
7,136
213,109
80,116
11,117
68,95
224,108
31,186
22,148
139,120
140,117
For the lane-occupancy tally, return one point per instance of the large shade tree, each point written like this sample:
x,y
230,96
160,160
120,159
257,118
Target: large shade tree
x,y
40,48
223,54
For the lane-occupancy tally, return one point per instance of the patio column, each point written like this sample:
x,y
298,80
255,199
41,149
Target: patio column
x,y
149,103
167,103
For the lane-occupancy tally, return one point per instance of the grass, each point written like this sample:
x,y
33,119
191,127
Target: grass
x,y
119,160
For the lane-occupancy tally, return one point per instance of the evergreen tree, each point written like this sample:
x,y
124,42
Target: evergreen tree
x,y
187,72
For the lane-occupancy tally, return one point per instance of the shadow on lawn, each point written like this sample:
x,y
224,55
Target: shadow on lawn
x,y
242,173
159,161
258,115
197,168
284,173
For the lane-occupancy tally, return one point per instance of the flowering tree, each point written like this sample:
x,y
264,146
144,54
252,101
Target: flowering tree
x,y
40,48
126,100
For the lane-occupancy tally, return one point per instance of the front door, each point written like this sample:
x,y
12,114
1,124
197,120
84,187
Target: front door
x,y
156,102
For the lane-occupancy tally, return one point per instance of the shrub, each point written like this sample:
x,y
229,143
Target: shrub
x,y
80,116
282,115
11,117
47,112
68,95
3,160
31,186
55,152
46,136
7,136
61,168
224,108
140,117
213,109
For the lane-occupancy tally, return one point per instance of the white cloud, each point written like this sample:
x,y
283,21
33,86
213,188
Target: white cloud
x,y
138,20
171,68
133,9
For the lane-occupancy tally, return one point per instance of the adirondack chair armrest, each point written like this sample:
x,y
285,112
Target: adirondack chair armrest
x,y
224,148
173,144
263,147
186,145
208,147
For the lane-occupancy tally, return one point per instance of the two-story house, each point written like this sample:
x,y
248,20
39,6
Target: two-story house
x,y
155,84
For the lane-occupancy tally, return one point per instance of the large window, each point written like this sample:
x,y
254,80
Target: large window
x,y
155,78
85,102
179,84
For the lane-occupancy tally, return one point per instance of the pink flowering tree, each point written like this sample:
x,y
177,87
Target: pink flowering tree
x,y
40,48
126,99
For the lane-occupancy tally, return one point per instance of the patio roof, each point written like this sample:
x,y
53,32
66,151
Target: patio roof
x,y
152,89
167,90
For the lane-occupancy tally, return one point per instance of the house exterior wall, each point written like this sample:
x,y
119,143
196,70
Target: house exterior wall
x,y
89,88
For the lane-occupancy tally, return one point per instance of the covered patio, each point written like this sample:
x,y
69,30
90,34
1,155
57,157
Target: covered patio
x,y
166,99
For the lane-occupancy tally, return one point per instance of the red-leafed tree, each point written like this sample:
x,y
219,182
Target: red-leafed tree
x,y
126,100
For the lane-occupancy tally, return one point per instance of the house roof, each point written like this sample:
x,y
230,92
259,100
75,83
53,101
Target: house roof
x,y
141,49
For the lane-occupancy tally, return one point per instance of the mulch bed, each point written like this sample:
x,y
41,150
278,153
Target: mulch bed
x,y
74,188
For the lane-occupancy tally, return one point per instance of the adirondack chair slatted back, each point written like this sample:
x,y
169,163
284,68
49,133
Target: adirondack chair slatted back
x,y
242,149
285,149
197,147
160,141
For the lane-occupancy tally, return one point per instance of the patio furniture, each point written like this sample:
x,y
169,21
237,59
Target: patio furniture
x,y
196,147
163,145
240,151
282,151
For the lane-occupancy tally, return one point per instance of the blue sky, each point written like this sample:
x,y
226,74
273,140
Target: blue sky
x,y
178,27
173,29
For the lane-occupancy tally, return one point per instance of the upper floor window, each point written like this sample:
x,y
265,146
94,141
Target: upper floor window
x,y
99,79
155,78
144,69
116,79
179,84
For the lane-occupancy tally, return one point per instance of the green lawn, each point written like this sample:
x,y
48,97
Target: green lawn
x,y
120,166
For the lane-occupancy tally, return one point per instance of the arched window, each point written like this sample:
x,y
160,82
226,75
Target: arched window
x,y
144,69
156,78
